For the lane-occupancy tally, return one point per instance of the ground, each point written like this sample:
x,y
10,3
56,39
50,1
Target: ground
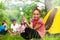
x,y
18,37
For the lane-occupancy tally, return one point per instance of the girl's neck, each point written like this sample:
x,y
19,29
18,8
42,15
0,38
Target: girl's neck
x,y
36,19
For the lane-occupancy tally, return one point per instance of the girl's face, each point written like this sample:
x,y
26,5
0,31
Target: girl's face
x,y
36,15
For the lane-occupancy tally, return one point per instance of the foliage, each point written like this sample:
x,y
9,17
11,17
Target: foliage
x,y
55,3
28,11
1,5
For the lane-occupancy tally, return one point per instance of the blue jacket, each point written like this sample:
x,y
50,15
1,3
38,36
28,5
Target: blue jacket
x,y
2,28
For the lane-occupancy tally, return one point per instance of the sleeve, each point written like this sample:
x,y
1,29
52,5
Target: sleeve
x,y
41,23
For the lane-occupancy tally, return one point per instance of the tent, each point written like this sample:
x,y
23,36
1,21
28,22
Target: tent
x,y
52,21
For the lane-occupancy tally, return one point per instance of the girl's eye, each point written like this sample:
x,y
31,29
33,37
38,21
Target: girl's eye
x,y
34,14
37,14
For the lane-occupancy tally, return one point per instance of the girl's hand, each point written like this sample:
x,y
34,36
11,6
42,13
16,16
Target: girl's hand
x,y
25,20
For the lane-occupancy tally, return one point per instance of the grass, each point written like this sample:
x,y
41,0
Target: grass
x,y
18,37
9,37
51,37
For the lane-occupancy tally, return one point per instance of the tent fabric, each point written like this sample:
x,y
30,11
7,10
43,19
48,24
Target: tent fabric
x,y
55,26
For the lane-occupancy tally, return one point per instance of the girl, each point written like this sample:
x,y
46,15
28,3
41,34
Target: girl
x,y
23,25
36,28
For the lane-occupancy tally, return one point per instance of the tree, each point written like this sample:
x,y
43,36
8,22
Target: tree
x,y
48,5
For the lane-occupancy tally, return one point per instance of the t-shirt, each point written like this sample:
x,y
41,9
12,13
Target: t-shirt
x,y
2,28
40,30
14,27
22,27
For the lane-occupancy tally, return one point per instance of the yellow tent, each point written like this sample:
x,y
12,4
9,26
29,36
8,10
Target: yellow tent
x,y
52,21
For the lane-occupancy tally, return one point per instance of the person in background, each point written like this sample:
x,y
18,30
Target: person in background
x,y
3,28
14,28
23,25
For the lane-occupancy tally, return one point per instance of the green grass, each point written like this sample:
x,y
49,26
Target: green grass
x,y
18,37
51,37
9,37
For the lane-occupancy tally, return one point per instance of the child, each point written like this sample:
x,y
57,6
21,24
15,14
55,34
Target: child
x,y
23,25
36,28
14,27
3,28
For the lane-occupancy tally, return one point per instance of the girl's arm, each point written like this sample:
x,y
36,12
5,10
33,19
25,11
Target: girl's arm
x,y
29,25
37,26
6,27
